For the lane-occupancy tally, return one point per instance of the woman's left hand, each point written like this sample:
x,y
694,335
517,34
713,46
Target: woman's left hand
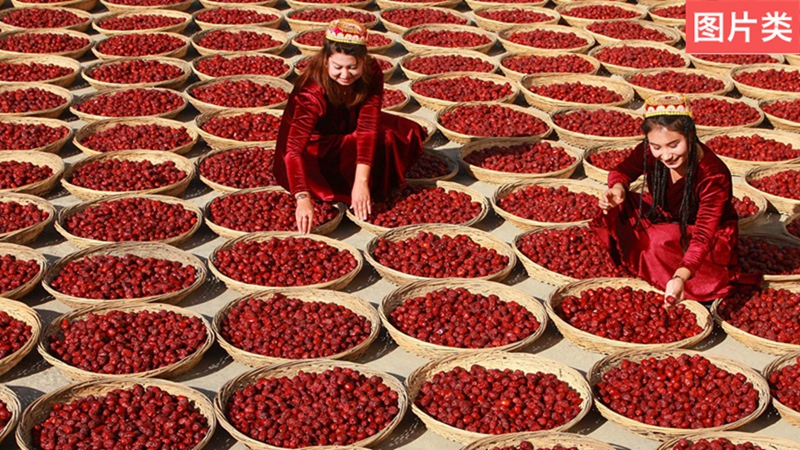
x,y
674,289
360,201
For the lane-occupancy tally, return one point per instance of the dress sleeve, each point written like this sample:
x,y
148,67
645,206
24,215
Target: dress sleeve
x,y
713,193
368,120
306,113
629,169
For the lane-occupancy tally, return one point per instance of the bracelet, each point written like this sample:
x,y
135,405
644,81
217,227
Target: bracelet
x,y
678,277
301,196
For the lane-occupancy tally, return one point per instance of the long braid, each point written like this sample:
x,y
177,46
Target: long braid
x,y
689,201
646,145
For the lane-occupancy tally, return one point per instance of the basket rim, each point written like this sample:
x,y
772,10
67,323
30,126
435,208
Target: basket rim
x,y
60,61
107,57
278,35
87,17
445,52
219,187
756,67
72,33
241,6
41,204
492,77
449,27
620,87
758,439
640,43
538,438
381,12
480,144
97,24
232,55
201,119
30,318
54,162
509,188
264,80
544,117
105,124
93,95
604,139
181,64
502,37
289,12
726,79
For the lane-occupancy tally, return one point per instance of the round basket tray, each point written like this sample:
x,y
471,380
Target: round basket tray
x,y
82,243
452,167
725,68
302,25
63,81
53,147
140,249
577,186
298,4
28,234
598,344
741,166
83,26
580,22
174,83
460,138
177,28
51,112
674,36
203,77
289,370
537,272
516,76
419,48
788,414
777,122
753,341
26,254
39,410
667,21
179,52
739,191
780,240
386,4
50,160
23,313
216,186
645,92
596,173
622,70
74,54
539,439
503,37
480,237
249,289
155,157
276,35
786,206
261,80
477,4
493,360
399,29
760,93
83,5
219,143
117,7
91,118
167,372
351,302
311,50
448,187
548,104
736,437
436,104
663,433
103,125
9,398
496,25
497,177
705,128
411,75
427,125
223,4
229,233
399,106
427,350
786,222
274,23
585,141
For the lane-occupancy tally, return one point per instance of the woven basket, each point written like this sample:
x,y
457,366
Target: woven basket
x,y
724,68
585,141
83,26
26,254
537,272
53,147
39,410
740,166
83,5
399,106
497,177
788,414
140,249
493,360
298,4
460,138
427,350
596,173
739,191
177,28
25,314
736,437
436,104
759,93
548,104
622,70
598,344
55,164
215,4
229,233
250,289
219,143
399,29
539,439
786,222
448,187
452,166
579,22
167,372
674,36
204,77
777,122
477,4
103,125
179,52
82,243
386,4
645,92
311,50
289,370
510,46
482,238
51,112
411,75
577,186
427,125
276,35
261,80
517,76
29,234
155,157
351,302
704,128
667,21
9,398
663,433
74,54
91,118
275,23
216,186
174,83
496,25
117,7
64,81
784,205
781,240
302,25
419,48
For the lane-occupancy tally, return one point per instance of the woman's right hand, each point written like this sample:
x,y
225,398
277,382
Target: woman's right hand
x,y
612,198
304,213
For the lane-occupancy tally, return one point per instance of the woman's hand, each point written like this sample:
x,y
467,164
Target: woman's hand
x,y
612,198
673,293
304,213
361,203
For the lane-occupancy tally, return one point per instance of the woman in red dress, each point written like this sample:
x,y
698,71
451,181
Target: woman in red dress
x,y
680,235
334,143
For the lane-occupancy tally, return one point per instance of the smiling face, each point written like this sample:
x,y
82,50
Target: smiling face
x,y
669,147
344,69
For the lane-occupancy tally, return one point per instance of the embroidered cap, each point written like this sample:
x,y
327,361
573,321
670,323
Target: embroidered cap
x,y
346,31
670,104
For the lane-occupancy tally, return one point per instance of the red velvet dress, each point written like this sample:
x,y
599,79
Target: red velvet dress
x,y
653,251
319,144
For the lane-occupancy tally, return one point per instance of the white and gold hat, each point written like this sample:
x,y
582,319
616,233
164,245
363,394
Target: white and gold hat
x,y
670,104
346,31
